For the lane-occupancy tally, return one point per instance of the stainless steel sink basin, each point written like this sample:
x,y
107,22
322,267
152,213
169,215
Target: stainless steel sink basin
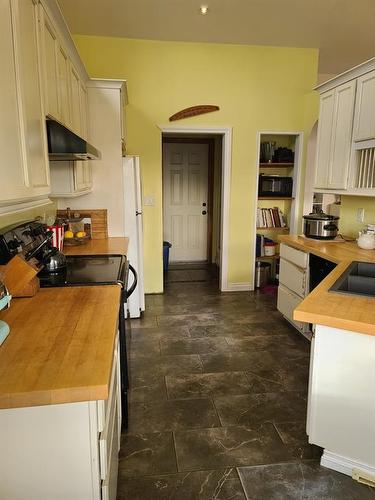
x,y
358,279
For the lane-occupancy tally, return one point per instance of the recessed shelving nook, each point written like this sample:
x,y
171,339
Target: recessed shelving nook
x,y
277,191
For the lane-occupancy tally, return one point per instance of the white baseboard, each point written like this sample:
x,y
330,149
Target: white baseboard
x,y
239,287
345,465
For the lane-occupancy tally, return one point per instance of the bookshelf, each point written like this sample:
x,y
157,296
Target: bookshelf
x,y
285,206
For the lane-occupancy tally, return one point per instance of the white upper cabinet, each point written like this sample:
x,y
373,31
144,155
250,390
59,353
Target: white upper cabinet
x,y
324,138
49,50
63,66
25,173
334,137
364,120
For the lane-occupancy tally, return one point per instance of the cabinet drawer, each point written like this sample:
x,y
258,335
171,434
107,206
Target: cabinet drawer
x,y
106,440
287,301
293,277
104,405
293,255
109,484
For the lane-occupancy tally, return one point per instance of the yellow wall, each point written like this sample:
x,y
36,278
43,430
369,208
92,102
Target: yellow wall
x,y
257,88
348,224
32,213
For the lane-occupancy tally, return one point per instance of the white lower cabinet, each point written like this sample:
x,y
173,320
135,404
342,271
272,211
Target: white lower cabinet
x,y
293,284
62,451
341,403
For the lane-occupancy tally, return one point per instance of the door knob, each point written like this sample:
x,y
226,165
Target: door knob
x,y
204,212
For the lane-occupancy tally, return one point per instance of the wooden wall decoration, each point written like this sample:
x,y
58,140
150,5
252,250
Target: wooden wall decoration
x,y
193,111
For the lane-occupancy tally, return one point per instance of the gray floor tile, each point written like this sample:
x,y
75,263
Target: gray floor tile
x,y
207,385
261,342
172,415
221,447
222,484
187,319
256,409
151,368
193,346
144,454
148,347
304,481
143,389
293,434
144,322
237,361
142,334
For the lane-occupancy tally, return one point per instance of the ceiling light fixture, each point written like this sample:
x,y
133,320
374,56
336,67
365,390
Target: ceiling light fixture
x,y
204,9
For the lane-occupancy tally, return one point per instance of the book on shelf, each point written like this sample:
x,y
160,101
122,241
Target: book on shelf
x,y
270,217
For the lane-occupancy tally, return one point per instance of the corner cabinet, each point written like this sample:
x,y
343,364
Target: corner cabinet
x,y
25,171
345,156
334,137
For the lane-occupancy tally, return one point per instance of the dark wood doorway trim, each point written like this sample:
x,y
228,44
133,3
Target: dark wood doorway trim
x,y
210,181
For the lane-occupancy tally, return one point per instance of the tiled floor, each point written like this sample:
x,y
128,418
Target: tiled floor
x,y
218,401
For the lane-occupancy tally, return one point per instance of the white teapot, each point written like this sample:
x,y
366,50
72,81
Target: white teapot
x,y
366,240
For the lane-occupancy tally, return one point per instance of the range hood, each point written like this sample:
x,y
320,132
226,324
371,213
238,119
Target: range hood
x,y
63,144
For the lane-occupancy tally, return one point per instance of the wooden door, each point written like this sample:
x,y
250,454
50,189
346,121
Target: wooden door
x,y
185,193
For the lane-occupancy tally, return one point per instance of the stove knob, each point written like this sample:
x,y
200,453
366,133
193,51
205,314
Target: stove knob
x,y
14,244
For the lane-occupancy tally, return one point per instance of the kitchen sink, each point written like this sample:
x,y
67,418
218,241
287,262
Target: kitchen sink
x,y
358,279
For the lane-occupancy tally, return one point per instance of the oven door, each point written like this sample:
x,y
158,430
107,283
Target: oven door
x,y
124,340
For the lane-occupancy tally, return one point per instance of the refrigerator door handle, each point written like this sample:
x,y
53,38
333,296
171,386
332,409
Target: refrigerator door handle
x,y
138,213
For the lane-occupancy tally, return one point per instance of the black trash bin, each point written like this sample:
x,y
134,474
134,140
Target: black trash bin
x,y
166,247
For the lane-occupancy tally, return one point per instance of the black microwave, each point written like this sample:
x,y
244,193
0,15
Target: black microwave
x,y
274,185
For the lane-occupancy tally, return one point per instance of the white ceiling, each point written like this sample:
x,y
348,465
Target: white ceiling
x,y
343,30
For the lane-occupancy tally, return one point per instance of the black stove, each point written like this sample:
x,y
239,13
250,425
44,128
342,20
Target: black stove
x,y
88,270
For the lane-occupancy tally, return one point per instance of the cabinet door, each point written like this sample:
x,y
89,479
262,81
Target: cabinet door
x,y
14,175
341,135
63,86
364,121
324,139
75,100
83,110
79,176
25,23
49,47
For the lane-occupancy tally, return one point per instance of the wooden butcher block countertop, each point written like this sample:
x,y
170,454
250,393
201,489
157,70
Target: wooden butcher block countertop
x,y
60,346
99,246
347,312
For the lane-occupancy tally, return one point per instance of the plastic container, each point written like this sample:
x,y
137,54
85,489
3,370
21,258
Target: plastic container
x,y
166,247
269,248
262,274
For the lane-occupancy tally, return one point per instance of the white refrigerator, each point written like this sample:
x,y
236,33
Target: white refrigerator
x,y
134,231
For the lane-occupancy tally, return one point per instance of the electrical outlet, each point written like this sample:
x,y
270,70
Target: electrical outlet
x,y
360,215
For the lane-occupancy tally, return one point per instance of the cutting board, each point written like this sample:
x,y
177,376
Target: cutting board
x,y
19,277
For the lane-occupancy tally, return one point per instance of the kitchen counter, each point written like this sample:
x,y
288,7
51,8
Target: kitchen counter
x,y
60,347
103,246
347,312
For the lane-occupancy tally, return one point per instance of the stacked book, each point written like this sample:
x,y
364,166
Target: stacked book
x,y
270,217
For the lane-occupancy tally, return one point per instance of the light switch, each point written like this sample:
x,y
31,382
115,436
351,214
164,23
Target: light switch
x,y
149,201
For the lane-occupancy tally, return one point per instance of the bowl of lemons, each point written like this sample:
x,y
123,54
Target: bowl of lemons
x,y
75,238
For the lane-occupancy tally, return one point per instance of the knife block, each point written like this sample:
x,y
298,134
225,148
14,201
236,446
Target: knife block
x,y
20,278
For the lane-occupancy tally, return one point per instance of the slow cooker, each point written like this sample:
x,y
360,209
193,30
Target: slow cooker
x,y
320,226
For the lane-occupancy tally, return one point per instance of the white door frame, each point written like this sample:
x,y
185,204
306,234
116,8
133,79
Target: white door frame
x,y
226,133
294,215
